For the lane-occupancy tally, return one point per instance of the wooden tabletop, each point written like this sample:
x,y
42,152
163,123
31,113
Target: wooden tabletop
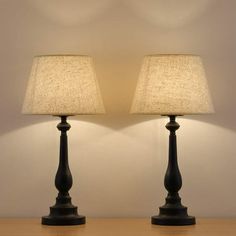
x,y
117,226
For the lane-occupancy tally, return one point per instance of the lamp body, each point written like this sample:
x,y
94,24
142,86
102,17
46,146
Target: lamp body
x,y
63,85
172,85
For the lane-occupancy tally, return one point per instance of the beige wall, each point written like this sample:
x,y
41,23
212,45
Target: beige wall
x,y
118,161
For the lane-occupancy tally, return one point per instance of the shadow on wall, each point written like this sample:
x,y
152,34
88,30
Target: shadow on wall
x,y
168,14
118,122
112,121
71,12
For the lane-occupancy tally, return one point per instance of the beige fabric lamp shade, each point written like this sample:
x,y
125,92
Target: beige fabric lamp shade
x,y
172,85
63,85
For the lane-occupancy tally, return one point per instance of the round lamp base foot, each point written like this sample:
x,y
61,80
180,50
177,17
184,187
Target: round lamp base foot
x,y
173,220
64,220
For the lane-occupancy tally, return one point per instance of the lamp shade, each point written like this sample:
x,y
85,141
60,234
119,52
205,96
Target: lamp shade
x,y
172,85
62,85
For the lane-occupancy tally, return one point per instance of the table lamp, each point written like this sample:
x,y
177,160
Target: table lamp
x,y
63,85
172,85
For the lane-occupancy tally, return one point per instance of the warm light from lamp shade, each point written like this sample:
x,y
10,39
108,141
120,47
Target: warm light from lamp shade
x,y
172,85
63,85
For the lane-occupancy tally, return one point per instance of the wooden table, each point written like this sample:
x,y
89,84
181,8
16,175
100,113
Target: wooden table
x,y
117,226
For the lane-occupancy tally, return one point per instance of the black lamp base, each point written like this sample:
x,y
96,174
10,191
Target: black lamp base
x,y
63,215
173,212
177,220
172,215
69,220
173,220
63,212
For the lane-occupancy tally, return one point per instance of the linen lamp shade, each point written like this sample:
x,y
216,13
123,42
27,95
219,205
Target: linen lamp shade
x,y
172,85
63,85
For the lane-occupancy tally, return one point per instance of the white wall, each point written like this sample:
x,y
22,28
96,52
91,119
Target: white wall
x,y
118,160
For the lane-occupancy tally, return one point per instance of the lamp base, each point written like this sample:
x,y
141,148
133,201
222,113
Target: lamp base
x,y
173,215
63,215
173,212
173,220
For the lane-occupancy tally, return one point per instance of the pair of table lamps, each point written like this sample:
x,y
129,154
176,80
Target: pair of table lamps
x,y
169,85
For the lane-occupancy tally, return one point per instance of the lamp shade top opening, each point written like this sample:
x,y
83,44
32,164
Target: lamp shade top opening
x,y
172,84
63,85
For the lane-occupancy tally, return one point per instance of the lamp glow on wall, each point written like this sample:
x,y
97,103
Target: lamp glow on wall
x,y
172,85
63,85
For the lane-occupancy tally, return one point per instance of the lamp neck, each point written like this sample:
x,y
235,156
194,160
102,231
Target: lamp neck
x,y
63,126
172,125
63,179
173,180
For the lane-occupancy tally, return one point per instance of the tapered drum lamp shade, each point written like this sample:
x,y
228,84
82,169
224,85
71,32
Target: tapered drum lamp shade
x,y
172,85
63,85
